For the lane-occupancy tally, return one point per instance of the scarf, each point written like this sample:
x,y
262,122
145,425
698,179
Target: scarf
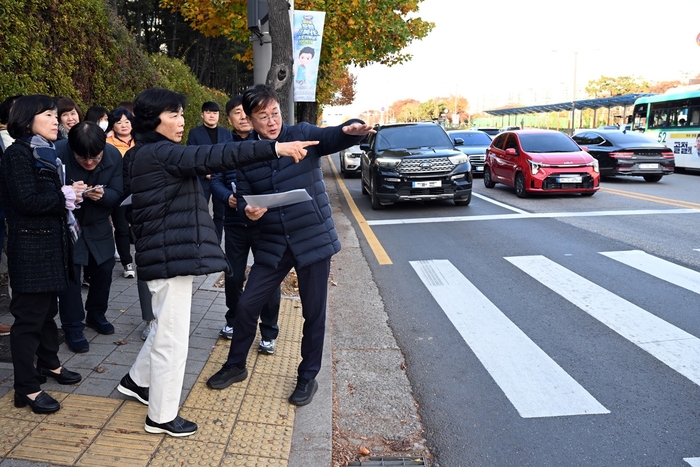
x,y
44,151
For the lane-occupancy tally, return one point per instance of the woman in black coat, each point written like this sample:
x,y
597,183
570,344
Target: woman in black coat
x,y
37,203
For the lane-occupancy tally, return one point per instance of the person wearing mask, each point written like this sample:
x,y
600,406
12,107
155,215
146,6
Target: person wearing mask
x,y
122,139
172,247
240,237
39,248
89,159
69,115
210,133
99,115
300,235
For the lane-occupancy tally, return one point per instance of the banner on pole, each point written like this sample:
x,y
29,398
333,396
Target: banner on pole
x,y
307,34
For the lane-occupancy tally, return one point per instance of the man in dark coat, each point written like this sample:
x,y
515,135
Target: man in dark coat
x,y
89,159
300,235
241,236
210,133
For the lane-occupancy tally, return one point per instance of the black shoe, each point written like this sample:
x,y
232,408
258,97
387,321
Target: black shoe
x,y
76,342
64,377
304,392
99,323
42,404
178,427
129,388
226,376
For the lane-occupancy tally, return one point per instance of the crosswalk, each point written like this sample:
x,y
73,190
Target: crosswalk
x,y
532,381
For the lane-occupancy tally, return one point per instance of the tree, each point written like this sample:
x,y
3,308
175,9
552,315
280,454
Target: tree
x,y
663,86
606,86
356,32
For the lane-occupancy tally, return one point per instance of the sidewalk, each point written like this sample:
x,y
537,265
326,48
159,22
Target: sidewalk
x,y
249,424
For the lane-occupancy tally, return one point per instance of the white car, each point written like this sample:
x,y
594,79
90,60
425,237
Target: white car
x,y
350,161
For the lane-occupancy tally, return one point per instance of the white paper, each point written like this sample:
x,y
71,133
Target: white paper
x,y
277,199
126,202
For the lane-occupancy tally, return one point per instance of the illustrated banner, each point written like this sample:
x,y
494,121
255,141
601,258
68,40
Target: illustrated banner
x,y
307,34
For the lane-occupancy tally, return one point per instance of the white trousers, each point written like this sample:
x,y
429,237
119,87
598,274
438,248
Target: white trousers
x,y
160,365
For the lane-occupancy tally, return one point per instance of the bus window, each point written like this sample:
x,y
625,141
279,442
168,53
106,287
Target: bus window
x,y
639,116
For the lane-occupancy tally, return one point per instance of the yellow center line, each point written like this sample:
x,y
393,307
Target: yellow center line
x,y
652,198
377,248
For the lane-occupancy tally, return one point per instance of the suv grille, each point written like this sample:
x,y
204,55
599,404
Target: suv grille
x,y
427,165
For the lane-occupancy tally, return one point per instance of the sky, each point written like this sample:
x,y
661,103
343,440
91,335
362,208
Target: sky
x,y
530,51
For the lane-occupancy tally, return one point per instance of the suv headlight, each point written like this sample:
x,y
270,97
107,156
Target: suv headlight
x,y
387,162
460,159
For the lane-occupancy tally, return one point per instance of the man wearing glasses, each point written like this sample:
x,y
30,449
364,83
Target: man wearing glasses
x,y
89,159
300,235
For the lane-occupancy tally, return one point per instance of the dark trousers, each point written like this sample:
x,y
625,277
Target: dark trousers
x,y
313,290
34,332
70,303
122,235
239,240
217,206
145,300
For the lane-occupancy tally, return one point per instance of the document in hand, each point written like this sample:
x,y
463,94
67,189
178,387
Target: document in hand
x,y
277,199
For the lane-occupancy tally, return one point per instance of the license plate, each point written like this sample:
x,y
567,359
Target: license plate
x,y
577,179
479,169
648,166
430,184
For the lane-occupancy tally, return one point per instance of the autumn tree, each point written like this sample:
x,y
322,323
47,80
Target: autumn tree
x,y
663,86
356,32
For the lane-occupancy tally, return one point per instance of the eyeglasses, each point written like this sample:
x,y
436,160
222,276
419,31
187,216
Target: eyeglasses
x,y
265,118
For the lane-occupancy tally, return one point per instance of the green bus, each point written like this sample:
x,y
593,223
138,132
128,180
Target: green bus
x,y
673,119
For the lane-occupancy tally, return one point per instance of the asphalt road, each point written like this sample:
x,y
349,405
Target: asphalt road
x,y
549,331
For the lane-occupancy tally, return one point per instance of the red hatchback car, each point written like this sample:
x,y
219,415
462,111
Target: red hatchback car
x,y
540,161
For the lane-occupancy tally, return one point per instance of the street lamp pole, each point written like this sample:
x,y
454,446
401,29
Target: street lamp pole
x,y
573,97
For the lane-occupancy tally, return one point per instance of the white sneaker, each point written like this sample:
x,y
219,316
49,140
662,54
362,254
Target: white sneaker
x,y
129,271
267,347
227,332
147,330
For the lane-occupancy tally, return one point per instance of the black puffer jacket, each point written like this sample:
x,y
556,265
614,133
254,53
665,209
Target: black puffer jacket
x,y
175,233
306,228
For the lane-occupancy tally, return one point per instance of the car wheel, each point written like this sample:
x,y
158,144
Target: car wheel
x,y
464,201
652,178
376,205
488,183
520,190
588,193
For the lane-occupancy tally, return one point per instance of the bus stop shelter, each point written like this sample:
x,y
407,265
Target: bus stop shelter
x,y
602,103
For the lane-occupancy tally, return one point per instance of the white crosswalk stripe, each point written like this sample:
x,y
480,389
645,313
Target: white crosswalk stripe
x,y
657,267
668,343
534,383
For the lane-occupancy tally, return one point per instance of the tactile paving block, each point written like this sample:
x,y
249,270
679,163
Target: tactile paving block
x,y
220,353
265,409
213,426
8,409
262,439
283,348
83,411
187,452
278,365
54,444
120,448
271,385
225,400
129,418
14,431
241,460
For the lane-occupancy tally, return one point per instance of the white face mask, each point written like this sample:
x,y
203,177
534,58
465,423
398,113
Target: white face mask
x,y
103,125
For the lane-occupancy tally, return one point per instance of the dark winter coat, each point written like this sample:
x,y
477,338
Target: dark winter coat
x,y
306,228
39,248
175,234
199,136
221,189
97,236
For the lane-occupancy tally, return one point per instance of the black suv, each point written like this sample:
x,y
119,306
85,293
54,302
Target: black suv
x,y
414,162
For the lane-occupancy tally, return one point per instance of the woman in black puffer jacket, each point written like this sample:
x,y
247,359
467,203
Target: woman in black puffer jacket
x,y
175,240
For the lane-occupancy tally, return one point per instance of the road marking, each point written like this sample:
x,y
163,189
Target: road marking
x,y
652,198
673,346
536,215
377,248
498,203
693,461
530,379
657,267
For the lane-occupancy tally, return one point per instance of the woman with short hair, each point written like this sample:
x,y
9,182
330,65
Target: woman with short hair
x,y
69,115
